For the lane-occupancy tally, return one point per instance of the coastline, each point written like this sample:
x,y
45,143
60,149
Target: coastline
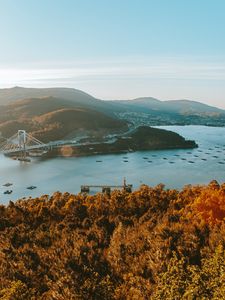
x,y
141,139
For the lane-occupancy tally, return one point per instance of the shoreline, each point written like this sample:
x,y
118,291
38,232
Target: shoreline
x,y
65,151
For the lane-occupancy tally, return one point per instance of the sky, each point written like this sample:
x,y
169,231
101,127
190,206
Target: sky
x,y
116,49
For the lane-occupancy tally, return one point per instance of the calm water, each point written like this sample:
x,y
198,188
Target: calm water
x,y
174,168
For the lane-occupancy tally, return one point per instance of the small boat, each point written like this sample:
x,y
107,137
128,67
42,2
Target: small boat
x,y
191,162
98,160
125,160
7,184
8,192
25,159
145,157
183,158
188,152
176,155
32,187
195,155
149,161
164,158
203,159
172,162
215,156
221,162
199,150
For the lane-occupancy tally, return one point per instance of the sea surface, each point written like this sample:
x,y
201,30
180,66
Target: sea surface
x,y
174,168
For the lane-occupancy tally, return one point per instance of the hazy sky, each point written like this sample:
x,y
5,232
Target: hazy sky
x,y
116,49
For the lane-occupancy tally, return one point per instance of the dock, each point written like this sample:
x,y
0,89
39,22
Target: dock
x,y
106,189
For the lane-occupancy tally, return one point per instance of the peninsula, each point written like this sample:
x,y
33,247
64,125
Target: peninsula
x,y
142,138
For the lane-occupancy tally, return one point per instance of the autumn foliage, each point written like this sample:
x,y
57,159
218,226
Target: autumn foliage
x,y
153,243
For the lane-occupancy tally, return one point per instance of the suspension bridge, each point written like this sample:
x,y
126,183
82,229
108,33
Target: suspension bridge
x,y
22,145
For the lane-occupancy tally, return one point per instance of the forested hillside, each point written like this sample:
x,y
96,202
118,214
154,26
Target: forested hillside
x,y
153,243
52,119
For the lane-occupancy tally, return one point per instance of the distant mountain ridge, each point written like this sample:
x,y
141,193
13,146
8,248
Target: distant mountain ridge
x,y
175,106
55,113
80,98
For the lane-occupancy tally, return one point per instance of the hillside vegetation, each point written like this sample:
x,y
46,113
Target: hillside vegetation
x,y
153,243
51,119
21,105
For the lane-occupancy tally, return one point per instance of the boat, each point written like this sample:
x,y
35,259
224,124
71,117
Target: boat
x,y
8,192
98,160
7,184
125,160
32,187
191,162
25,159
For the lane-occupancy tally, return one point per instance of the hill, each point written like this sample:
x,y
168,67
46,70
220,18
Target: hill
x,y
52,118
20,108
153,112
142,138
82,99
172,106
11,95
76,97
153,243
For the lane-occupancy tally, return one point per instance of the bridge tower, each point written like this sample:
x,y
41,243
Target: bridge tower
x,y
22,139
22,144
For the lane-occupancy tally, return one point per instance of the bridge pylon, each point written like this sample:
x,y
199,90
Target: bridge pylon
x,y
22,144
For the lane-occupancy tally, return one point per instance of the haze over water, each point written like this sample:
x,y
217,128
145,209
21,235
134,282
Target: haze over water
x,y
174,168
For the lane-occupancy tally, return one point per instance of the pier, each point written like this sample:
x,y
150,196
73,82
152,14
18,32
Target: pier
x,y
106,189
